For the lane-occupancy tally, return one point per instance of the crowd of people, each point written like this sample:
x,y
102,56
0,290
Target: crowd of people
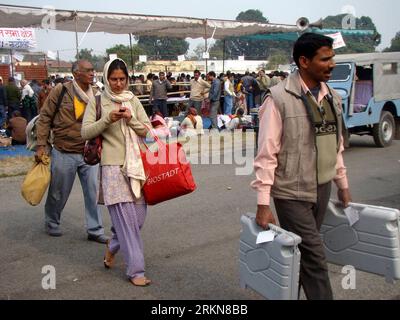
x,y
237,90
21,102
210,95
230,92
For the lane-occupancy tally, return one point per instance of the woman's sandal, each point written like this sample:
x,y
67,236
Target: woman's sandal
x,y
109,257
140,282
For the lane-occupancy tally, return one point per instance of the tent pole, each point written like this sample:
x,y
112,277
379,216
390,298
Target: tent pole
x,y
223,57
45,65
130,46
76,36
12,63
205,44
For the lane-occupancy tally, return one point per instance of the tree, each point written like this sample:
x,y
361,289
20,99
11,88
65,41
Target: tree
x,y
97,61
235,46
215,52
85,54
255,49
251,15
395,44
276,59
124,52
356,43
162,48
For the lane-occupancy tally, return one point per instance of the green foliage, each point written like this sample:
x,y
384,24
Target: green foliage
x,y
255,49
251,49
216,51
234,47
85,54
277,58
140,66
355,44
162,48
124,52
97,61
252,15
277,52
395,44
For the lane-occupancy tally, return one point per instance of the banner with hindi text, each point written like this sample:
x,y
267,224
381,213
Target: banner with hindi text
x,y
17,38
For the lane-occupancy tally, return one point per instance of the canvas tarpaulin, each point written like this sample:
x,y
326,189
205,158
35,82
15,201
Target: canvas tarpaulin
x,y
386,72
137,24
293,36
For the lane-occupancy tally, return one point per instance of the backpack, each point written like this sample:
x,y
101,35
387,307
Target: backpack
x,y
31,135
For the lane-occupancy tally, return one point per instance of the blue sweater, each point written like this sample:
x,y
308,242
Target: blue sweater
x,y
215,91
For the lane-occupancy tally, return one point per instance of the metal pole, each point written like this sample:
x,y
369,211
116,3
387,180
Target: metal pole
x,y
130,45
223,58
58,60
45,65
205,40
12,63
76,36
206,59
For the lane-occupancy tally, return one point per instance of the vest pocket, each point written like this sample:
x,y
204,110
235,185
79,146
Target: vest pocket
x,y
292,165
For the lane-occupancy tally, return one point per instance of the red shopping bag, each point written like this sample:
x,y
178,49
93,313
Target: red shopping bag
x,y
168,173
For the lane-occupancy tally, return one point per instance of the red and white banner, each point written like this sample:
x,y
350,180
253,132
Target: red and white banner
x,y
17,38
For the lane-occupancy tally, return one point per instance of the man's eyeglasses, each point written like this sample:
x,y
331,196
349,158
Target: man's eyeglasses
x,y
86,69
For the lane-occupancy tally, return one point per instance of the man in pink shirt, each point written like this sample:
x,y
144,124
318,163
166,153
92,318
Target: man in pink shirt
x,y
300,153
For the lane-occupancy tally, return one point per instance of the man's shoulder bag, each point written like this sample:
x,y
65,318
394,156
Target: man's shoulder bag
x,y
31,135
92,149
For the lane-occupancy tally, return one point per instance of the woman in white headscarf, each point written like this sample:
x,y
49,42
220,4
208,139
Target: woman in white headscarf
x,y
123,119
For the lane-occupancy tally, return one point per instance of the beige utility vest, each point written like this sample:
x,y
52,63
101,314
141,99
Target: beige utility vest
x,y
309,147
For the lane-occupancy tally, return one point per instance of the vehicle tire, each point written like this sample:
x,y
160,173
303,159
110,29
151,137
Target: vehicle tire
x,y
384,131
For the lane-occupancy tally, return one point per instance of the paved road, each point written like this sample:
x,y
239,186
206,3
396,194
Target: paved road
x,y
191,243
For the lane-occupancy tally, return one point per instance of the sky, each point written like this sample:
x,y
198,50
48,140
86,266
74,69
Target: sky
x,y
385,15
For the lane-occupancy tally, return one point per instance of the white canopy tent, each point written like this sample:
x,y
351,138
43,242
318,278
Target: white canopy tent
x,y
137,24
12,16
